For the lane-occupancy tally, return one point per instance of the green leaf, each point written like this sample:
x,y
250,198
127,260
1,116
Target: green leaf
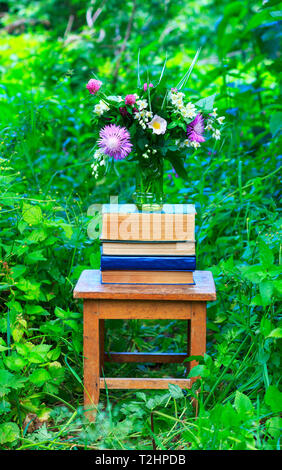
x,y
265,254
15,362
256,20
67,229
175,391
177,164
266,291
60,313
265,326
273,398
196,371
206,103
35,256
36,310
243,404
229,417
254,274
9,432
273,426
10,381
39,353
151,403
31,289
39,377
18,271
275,123
31,214
276,333
5,407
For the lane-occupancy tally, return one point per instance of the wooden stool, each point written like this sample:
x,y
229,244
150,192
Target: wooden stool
x,y
146,302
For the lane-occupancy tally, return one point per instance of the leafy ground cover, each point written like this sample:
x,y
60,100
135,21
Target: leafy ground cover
x,y
46,188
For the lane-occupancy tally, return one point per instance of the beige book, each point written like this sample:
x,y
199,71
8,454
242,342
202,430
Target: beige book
x,y
149,249
147,277
148,227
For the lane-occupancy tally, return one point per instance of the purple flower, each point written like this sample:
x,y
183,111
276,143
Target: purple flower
x,y
115,141
195,129
174,90
93,86
146,86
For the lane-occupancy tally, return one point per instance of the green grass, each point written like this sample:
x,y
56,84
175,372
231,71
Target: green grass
x,y
45,191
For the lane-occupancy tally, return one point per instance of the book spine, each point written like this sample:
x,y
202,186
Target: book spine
x,y
152,281
148,263
148,227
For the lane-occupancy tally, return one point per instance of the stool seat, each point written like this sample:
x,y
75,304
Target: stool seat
x,y
89,286
132,301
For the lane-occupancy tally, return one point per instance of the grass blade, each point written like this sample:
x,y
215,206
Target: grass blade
x,y
184,79
138,70
163,69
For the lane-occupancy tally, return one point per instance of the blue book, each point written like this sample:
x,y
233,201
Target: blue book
x,y
148,263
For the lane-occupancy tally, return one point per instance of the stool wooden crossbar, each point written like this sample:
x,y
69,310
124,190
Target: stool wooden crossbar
x,y
144,302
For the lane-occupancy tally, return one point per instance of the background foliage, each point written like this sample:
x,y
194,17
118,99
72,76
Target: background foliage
x,y
48,53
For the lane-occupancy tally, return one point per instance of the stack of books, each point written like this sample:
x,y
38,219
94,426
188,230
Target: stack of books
x,y
148,248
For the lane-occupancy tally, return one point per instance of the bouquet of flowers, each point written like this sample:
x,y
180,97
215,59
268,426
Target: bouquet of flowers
x,y
150,124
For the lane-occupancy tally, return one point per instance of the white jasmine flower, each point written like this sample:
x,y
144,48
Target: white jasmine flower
x,y
179,103
158,125
214,113
216,134
142,104
194,144
189,111
209,126
97,154
190,107
100,108
220,119
179,95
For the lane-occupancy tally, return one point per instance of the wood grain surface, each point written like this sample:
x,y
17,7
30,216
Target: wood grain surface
x,y
89,287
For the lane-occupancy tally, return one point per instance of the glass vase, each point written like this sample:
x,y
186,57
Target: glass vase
x,y
149,194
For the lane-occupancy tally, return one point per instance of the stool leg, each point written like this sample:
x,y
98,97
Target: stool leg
x,y
91,351
197,332
102,349
188,364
